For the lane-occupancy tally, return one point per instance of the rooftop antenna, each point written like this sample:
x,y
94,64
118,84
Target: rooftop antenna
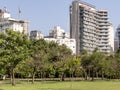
x,y
5,9
19,13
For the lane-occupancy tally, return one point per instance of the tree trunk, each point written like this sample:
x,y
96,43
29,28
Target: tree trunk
x,y
62,77
70,77
92,75
96,74
89,73
33,77
110,76
102,75
85,73
13,78
119,75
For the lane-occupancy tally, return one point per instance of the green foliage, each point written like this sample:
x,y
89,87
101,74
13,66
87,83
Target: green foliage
x,y
74,66
14,49
23,57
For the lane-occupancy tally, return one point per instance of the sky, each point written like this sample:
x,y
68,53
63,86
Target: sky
x,y
45,14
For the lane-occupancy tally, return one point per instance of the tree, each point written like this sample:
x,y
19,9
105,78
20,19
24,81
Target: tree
x,y
95,58
2,43
116,64
39,50
85,62
114,71
14,50
74,65
91,63
64,54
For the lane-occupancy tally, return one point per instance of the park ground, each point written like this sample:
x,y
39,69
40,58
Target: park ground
x,y
57,85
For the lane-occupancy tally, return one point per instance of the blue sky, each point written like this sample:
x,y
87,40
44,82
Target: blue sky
x,y
45,14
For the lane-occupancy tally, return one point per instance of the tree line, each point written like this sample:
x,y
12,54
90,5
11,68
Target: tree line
x,y
22,57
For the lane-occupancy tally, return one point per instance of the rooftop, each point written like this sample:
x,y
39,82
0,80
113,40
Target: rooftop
x,y
82,2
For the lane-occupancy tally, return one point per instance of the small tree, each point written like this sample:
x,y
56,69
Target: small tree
x,y
74,65
64,54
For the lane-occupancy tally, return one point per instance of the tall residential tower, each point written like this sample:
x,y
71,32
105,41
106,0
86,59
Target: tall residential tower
x,y
90,28
118,36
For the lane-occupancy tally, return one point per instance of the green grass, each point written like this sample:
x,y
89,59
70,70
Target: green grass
x,y
54,85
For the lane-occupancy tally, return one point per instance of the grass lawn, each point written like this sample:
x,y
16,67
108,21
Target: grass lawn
x,y
73,85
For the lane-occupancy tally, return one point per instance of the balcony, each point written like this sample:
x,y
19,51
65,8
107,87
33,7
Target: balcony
x,y
104,34
104,44
104,31
103,48
103,26
103,23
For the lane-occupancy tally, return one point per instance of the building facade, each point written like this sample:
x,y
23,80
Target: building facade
x,y
118,35
111,39
59,36
116,44
70,43
90,27
58,33
6,22
36,35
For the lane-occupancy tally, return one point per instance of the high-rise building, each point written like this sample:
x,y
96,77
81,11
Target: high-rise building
x,y
118,35
6,22
116,39
90,27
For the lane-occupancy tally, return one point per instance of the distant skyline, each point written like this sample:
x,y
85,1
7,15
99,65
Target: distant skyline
x,y
45,14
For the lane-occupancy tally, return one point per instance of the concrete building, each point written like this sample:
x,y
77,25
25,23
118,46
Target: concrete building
x,y
70,43
118,35
36,35
6,22
90,27
116,44
111,39
58,33
59,36
116,40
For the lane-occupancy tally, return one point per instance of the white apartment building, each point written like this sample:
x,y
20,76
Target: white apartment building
x,y
57,32
106,33
36,35
59,36
70,43
6,22
111,38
